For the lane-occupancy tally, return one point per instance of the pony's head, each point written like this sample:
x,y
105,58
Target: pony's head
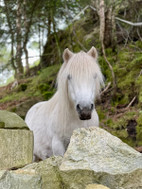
x,y
80,79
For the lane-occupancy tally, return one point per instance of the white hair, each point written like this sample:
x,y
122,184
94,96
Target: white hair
x,y
53,121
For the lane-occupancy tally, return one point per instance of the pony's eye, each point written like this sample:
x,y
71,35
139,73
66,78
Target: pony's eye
x,y
69,77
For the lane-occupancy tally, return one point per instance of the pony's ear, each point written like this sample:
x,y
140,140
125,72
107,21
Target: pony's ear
x,y
67,54
93,52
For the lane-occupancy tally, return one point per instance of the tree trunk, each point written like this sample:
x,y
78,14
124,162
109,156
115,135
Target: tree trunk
x,y
12,55
109,34
12,36
108,28
27,30
107,22
27,25
39,40
18,40
49,25
56,38
27,60
102,20
102,39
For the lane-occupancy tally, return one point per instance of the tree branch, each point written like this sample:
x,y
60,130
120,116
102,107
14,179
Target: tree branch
x,y
128,22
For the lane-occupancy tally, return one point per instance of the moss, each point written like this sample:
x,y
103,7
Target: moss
x,y
38,86
118,127
47,73
140,97
101,113
104,68
125,100
12,97
139,129
47,95
13,109
137,62
120,98
43,87
127,71
110,53
117,124
139,44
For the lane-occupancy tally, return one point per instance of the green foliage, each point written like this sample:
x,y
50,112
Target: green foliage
x,y
12,97
139,129
40,86
23,87
127,64
139,44
101,113
4,55
118,127
34,45
36,63
47,94
46,74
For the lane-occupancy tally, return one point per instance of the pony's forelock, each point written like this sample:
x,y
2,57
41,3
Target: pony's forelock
x,y
80,66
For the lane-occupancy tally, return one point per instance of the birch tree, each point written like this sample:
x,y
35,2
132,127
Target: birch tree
x,y
106,27
28,14
11,31
19,40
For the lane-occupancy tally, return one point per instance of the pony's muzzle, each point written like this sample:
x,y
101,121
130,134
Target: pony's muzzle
x,y
85,112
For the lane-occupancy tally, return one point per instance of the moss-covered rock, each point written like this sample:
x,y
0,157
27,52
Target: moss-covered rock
x,y
9,120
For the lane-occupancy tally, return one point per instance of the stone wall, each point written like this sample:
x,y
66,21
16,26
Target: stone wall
x,y
16,141
95,159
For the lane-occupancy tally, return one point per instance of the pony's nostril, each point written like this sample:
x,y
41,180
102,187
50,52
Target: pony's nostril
x,y
78,107
92,106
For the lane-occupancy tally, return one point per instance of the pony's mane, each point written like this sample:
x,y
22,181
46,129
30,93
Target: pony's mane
x,y
80,66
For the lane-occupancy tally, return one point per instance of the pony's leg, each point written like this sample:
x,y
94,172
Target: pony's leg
x,y
57,146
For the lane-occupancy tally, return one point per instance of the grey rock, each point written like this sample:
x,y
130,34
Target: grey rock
x,y
42,175
19,180
95,159
96,186
96,156
9,120
16,148
49,172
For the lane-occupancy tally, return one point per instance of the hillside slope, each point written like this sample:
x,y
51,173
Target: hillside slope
x,y
120,113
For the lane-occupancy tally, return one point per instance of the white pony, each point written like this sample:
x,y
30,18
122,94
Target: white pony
x,y
72,106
